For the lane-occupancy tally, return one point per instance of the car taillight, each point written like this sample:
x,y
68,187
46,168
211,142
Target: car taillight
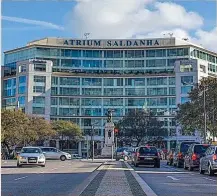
x,y
194,157
214,158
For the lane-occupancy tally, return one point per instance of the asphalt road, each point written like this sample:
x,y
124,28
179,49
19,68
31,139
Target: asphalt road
x,y
56,179
171,181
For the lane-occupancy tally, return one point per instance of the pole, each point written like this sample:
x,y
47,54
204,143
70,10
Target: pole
x,y
112,150
87,148
204,106
92,142
93,151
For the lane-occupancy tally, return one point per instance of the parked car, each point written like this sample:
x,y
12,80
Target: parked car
x,y
54,153
180,151
123,153
31,156
170,156
146,155
209,161
193,155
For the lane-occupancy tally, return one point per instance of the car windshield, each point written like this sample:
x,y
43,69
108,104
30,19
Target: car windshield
x,y
200,149
31,150
185,147
122,149
148,150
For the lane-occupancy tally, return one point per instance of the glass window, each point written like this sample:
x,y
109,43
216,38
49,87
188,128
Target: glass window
x,y
157,81
54,80
69,81
172,80
134,53
172,91
186,89
92,81
70,63
39,99
134,63
22,90
113,92
22,68
40,79
91,112
91,102
40,67
135,102
22,79
38,110
184,100
113,64
156,101
187,79
53,111
108,82
135,91
172,101
172,52
54,101
156,63
92,91
92,63
92,53
113,102
69,91
70,53
157,91
54,90
150,53
38,89
21,100
69,101
68,111
113,54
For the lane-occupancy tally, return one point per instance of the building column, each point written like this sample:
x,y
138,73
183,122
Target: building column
x,y
57,143
79,149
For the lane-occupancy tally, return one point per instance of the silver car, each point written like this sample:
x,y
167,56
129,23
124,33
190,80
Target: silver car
x,y
54,153
31,156
209,161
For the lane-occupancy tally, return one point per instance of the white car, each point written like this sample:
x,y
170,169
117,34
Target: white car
x,y
31,156
54,153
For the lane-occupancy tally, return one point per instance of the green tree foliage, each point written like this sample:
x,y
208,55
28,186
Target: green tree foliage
x,y
21,129
67,129
138,124
191,114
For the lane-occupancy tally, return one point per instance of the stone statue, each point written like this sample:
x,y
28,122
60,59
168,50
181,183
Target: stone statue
x,y
109,115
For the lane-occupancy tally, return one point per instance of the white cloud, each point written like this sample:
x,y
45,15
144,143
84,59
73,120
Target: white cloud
x,y
137,18
32,22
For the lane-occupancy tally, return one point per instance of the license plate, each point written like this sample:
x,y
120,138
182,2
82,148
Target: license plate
x,y
148,158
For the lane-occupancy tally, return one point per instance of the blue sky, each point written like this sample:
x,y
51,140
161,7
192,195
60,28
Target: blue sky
x,y
16,34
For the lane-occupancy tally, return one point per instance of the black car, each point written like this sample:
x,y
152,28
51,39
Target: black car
x,y
193,155
146,155
180,151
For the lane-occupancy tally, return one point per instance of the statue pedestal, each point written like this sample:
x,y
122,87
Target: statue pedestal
x,y
109,140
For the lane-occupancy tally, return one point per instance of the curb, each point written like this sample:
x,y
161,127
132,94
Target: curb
x,y
81,187
147,190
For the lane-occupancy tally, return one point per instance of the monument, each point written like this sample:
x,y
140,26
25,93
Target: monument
x,y
109,136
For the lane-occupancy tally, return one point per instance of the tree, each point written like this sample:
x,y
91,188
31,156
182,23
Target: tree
x,y
14,126
67,129
139,124
191,115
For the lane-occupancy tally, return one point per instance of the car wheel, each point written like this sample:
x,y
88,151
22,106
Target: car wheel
x,y
158,164
185,166
201,170
171,162
167,163
210,171
42,165
63,158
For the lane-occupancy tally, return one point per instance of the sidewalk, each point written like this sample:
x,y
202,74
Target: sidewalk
x,y
113,179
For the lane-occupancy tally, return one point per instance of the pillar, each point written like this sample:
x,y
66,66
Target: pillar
x,y
79,149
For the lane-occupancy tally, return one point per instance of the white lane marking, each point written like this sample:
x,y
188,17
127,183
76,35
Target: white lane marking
x,y
173,178
21,178
161,172
209,179
54,169
62,166
182,184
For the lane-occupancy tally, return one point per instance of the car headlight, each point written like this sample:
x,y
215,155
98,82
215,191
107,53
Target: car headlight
x,y
21,157
41,157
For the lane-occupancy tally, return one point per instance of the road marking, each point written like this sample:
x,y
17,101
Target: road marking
x,y
182,184
209,179
21,178
160,172
173,178
62,166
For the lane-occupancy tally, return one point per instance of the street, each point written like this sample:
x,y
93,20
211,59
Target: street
x,y
63,179
58,178
171,181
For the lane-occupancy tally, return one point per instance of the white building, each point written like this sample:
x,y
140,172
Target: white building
x,y
79,80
